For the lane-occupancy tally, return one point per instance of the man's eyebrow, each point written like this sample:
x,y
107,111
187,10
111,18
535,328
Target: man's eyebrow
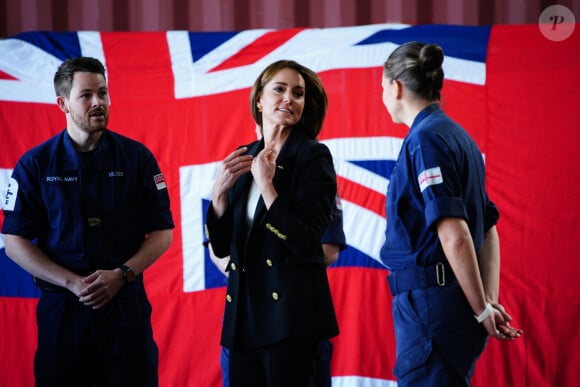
x,y
90,89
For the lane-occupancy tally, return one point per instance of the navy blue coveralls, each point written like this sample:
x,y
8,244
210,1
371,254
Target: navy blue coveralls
x,y
439,174
90,211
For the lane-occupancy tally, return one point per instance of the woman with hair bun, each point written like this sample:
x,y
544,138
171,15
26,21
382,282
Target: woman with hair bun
x,y
442,246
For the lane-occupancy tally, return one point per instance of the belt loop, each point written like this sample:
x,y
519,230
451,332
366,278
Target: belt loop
x,y
440,273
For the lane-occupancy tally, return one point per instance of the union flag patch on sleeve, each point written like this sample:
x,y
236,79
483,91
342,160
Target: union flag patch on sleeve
x,y
159,182
429,177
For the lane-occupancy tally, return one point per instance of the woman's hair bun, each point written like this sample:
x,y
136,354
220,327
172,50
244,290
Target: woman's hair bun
x,y
430,57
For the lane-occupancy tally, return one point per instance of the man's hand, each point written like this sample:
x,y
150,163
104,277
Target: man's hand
x,y
100,287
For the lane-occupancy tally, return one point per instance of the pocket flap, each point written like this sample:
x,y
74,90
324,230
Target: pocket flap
x,y
413,357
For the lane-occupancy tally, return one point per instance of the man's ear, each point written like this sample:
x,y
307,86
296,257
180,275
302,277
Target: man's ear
x,y
62,104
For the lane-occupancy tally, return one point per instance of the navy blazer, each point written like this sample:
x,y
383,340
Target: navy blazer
x,y
277,286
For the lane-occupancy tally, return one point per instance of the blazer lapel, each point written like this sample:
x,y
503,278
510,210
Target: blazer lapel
x,y
285,171
240,192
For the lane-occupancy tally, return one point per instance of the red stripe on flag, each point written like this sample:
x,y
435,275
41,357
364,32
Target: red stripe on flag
x,y
361,195
144,79
261,46
19,338
5,76
365,345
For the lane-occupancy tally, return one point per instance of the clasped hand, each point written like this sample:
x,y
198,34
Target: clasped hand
x,y
97,289
498,324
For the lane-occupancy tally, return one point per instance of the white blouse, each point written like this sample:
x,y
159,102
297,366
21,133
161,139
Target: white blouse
x,y
253,197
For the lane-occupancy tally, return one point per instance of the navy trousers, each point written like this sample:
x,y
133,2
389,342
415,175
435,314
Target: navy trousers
x,y
79,346
437,338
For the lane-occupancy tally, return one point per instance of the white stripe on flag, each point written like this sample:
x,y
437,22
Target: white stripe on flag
x,y
195,184
320,49
360,381
34,68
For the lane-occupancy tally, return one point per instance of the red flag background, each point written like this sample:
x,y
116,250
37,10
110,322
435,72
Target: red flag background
x,y
521,115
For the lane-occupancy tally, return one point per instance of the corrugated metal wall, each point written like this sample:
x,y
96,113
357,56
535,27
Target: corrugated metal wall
x,y
225,15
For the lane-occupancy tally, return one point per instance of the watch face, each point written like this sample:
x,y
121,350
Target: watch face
x,y
130,275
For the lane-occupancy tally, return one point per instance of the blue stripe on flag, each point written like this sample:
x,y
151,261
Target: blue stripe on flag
x,y
457,41
380,167
203,42
353,257
14,281
214,278
62,45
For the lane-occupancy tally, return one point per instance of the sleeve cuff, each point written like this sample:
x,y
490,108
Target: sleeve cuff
x,y
446,207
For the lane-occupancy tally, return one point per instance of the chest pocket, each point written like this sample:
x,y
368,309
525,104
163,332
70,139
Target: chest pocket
x,y
121,204
62,201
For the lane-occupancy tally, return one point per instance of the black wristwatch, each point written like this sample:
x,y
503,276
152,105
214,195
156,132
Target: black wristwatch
x,y
128,273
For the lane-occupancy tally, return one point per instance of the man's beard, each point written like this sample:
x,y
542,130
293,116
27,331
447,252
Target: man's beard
x,y
84,123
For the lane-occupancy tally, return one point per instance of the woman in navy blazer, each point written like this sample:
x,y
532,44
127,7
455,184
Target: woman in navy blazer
x,y
271,202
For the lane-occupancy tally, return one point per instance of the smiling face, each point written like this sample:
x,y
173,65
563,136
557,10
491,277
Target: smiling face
x,y
282,99
87,106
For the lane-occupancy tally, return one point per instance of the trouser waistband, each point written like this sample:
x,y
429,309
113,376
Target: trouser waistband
x,y
439,275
